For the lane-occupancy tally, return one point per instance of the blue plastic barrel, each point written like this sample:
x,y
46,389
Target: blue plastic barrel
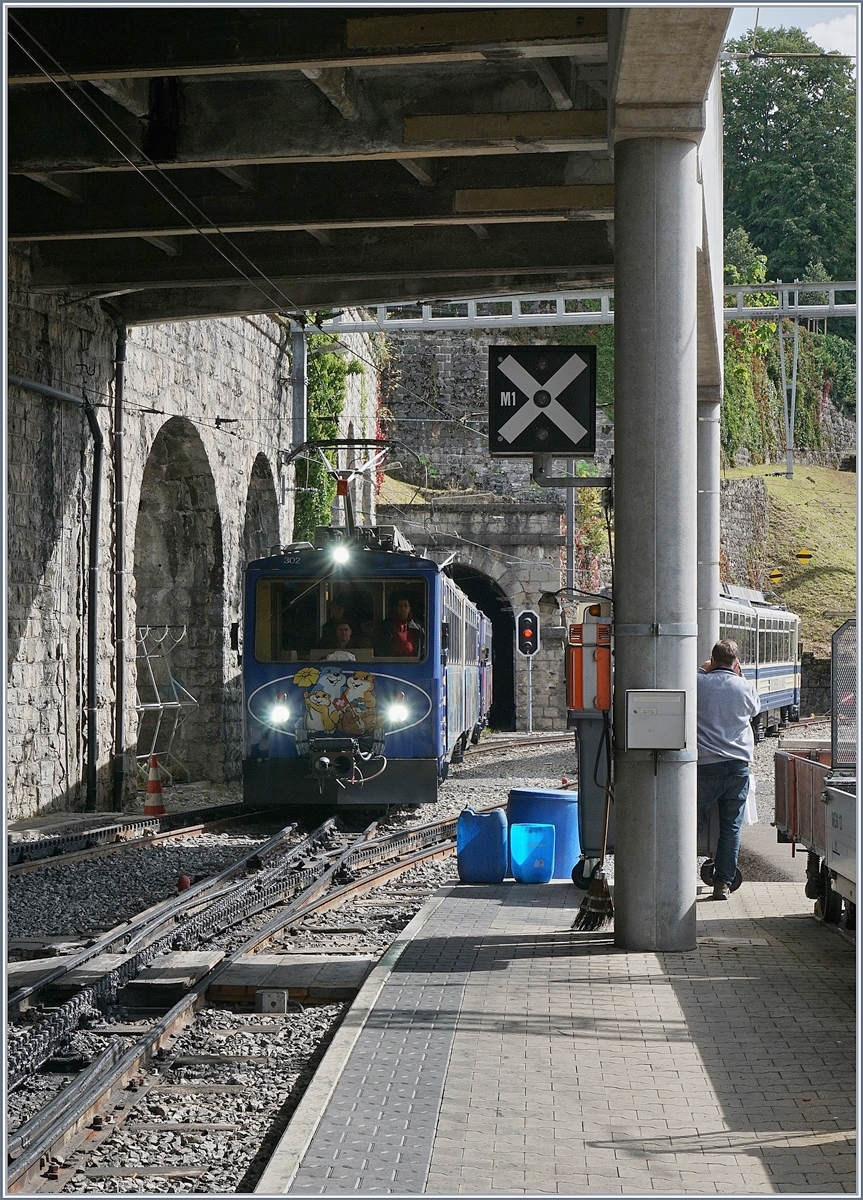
x,y
531,852
550,807
481,846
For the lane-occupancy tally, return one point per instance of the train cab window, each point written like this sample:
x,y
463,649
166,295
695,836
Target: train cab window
x,y
401,634
309,620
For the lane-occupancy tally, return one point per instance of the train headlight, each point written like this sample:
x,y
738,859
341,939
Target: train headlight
x,y
279,713
341,554
397,713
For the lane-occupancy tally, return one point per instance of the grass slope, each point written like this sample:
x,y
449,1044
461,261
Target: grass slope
x,y
816,509
397,492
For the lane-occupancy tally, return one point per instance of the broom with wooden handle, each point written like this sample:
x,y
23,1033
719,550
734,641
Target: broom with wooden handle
x,y
596,908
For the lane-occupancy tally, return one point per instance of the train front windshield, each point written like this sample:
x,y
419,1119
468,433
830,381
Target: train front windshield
x,y
365,620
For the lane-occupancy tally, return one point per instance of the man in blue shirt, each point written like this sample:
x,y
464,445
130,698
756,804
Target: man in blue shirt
x,y
726,705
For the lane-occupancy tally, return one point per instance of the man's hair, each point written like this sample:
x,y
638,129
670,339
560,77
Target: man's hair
x,y
725,652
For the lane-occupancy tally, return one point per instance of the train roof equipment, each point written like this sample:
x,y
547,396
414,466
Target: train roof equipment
x,y
747,596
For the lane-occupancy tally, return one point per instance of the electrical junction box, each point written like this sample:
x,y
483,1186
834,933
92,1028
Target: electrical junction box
x,y
588,667
655,719
271,1000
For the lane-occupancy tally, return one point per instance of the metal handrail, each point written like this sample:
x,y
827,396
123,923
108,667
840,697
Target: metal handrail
x,y
564,308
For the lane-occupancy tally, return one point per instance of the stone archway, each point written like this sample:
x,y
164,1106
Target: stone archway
x,y
260,536
179,581
261,525
489,596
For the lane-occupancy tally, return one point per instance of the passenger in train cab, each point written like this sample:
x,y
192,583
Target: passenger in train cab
x,y
727,702
344,644
401,635
338,612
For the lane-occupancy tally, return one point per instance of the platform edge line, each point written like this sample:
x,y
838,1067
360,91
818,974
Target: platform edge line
x,y
287,1158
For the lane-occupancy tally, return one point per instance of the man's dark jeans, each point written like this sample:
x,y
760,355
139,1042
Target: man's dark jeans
x,y
728,783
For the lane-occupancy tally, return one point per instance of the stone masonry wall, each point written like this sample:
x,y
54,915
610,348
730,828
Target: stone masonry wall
x,y
435,397
743,524
207,410
435,389
838,441
517,545
815,694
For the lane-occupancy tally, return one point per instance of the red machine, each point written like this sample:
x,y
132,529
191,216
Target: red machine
x,y
588,663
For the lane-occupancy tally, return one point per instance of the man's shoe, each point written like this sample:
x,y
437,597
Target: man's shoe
x,y
721,891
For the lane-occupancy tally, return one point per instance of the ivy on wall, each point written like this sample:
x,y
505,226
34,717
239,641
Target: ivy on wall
x,y
751,416
601,336
326,392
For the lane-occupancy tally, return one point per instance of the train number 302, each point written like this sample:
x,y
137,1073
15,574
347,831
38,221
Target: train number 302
x,y
836,820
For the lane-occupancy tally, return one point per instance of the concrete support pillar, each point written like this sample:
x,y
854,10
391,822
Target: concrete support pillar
x,y
657,215
708,520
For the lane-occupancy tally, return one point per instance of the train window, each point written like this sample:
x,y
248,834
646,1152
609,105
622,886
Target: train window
x,y
307,620
454,616
471,635
744,644
724,625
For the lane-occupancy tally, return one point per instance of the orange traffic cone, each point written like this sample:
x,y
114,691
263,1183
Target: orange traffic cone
x,y
153,806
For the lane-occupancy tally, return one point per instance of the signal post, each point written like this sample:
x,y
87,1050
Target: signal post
x,y
527,644
542,404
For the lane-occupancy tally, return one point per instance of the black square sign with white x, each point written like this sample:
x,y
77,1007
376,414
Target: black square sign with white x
x,y
541,400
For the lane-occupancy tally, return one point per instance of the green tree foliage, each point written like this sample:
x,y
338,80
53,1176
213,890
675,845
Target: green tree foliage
x,y
790,153
327,379
744,263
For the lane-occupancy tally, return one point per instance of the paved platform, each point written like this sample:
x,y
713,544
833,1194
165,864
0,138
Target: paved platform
x,y
495,1050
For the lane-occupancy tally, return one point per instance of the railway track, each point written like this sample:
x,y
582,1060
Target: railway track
x,y
142,932
87,1108
501,747
24,855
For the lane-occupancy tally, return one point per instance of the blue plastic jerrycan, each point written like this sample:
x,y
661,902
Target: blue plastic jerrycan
x,y
481,846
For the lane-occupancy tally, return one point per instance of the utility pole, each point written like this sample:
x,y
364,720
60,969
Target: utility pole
x,y
789,393
570,531
529,696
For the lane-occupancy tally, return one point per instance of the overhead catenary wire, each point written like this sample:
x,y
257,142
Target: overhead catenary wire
x,y
298,315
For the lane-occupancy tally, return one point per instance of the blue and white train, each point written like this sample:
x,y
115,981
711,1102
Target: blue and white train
x,y
770,652
374,720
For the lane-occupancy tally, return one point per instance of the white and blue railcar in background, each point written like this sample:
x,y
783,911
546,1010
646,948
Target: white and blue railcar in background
x,y
768,636
369,726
